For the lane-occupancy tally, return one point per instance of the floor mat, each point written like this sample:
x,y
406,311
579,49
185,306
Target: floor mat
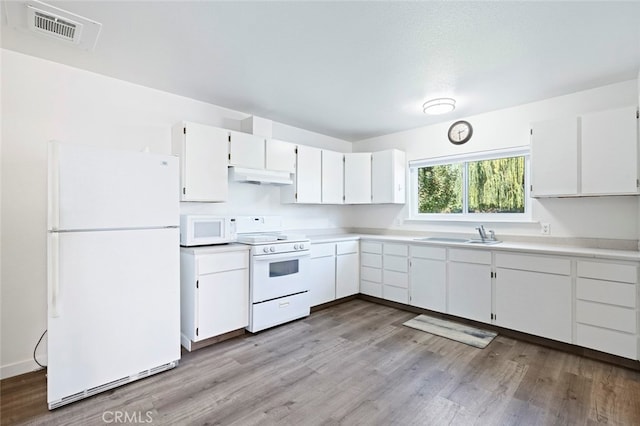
x,y
451,330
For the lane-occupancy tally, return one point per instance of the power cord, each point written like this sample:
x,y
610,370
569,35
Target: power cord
x,y
34,350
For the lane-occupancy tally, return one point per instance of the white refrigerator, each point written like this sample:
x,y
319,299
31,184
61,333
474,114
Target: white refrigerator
x,y
113,269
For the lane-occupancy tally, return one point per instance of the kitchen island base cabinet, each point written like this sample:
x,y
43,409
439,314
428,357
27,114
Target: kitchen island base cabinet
x,y
214,293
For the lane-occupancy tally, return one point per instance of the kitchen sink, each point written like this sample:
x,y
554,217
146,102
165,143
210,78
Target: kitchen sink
x,y
443,239
486,242
457,240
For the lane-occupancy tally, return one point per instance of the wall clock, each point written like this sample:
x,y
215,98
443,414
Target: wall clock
x,y
460,132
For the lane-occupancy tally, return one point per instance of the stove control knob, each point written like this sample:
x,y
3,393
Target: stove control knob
x,y
266,249
301,246
295,247
272,249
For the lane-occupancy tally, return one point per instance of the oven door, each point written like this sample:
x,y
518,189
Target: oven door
x,y
277,275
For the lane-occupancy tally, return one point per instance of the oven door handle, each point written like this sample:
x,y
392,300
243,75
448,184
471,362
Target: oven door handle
x,y
280,256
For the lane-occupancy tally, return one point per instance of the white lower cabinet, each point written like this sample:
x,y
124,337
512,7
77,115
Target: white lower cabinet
x,y
322,282
214,292
428,278
395,272
334,271
347,268
606,307
371,268
469,284
533,295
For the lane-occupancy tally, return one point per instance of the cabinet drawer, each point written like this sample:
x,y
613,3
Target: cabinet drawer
x,y
396,263
371,274
608,271
470,256
220,262
347,247
372,260
398,279
611,292
549,265
614,317
279,311
371,247
397,249
425,252
395,294
613,342
372,289
322,250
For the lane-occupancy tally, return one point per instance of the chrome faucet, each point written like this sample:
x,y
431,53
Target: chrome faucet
x,y
481,231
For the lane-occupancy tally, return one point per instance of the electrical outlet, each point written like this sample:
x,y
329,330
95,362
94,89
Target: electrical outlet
x,y
545,228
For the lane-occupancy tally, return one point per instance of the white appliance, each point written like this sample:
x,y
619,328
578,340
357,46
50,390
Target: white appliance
x,y
278,272
113,269
203,230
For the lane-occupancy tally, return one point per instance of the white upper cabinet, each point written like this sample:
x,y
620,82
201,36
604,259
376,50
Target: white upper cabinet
x,y
246,150
554,157
388,177
203,161
594,154
610,152
332,177
280,156
357,178
307,187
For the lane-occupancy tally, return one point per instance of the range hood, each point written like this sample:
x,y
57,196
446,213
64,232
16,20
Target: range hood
x,y
260,176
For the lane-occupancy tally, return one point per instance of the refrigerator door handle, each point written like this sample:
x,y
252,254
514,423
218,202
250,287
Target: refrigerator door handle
x,y
53,278
54,186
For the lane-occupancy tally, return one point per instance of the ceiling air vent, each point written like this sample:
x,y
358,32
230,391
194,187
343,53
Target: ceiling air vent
x,y
43,19
54,25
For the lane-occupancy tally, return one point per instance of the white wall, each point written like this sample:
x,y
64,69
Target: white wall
x,y
42,100
605,218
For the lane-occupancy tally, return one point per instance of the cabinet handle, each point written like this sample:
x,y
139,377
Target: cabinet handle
x,y
284,304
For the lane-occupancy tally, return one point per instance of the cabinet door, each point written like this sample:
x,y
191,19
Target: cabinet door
x,y
470,291
347,275
332,177
223,303
535,303
246,150
203,162
357,178
388,177
610,152
428,285
554,157
322,282
280,156
308,174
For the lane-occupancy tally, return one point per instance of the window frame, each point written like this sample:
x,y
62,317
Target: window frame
x,y
465,216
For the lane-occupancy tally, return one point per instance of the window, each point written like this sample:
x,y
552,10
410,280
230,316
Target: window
x,y
491,185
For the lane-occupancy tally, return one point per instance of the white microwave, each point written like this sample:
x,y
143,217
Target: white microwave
x,y
202,230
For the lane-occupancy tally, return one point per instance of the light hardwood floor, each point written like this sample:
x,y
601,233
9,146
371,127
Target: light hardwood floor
x,y
354,364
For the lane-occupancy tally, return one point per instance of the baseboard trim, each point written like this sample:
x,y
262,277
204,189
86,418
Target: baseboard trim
x,y
542,341
21,367
333,303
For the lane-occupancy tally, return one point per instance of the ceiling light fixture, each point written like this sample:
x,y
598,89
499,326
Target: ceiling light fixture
x,y
439,106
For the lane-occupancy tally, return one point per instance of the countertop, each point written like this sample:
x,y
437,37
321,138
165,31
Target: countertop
x,y
512,246
217,248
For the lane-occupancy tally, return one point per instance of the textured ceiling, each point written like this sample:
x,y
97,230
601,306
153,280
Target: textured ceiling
x,y
354,70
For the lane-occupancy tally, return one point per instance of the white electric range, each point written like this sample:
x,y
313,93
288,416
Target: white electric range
x,y
278,272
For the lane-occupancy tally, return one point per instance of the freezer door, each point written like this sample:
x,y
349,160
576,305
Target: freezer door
x,y
92,188
114,306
